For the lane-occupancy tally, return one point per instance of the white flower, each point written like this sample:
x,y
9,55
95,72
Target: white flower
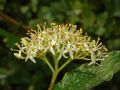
x,y
61,41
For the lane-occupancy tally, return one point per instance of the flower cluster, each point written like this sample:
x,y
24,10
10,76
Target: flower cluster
x,y
61,41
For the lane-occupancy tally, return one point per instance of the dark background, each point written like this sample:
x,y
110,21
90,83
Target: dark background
x,y
99,18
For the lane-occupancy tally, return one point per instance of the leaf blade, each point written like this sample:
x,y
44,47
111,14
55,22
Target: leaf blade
x,y
86,77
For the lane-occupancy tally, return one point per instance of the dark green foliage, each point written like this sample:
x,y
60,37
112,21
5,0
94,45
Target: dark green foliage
x,y
99,18
86,77
9,39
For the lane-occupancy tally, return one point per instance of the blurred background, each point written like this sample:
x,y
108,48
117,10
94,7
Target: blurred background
x,y
99,18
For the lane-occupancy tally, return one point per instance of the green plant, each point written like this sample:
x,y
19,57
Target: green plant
x,y
97,17
60,42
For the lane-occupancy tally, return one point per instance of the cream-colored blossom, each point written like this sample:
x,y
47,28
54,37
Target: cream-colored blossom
x,y
61,41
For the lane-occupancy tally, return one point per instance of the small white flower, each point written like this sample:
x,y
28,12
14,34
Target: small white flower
x,y
18,55
62,41
52,50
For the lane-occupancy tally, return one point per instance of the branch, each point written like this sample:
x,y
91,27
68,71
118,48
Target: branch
x,y
9,19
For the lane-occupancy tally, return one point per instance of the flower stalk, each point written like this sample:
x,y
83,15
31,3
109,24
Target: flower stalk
x,y
54,76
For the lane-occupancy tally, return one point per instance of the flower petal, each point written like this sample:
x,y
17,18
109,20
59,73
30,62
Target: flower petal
x,y
52,51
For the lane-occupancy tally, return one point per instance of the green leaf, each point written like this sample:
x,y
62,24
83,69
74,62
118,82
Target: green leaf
x,y
4,73
117,8
2,4
86,77
101,19
34,4
114,11
88,17
9,38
